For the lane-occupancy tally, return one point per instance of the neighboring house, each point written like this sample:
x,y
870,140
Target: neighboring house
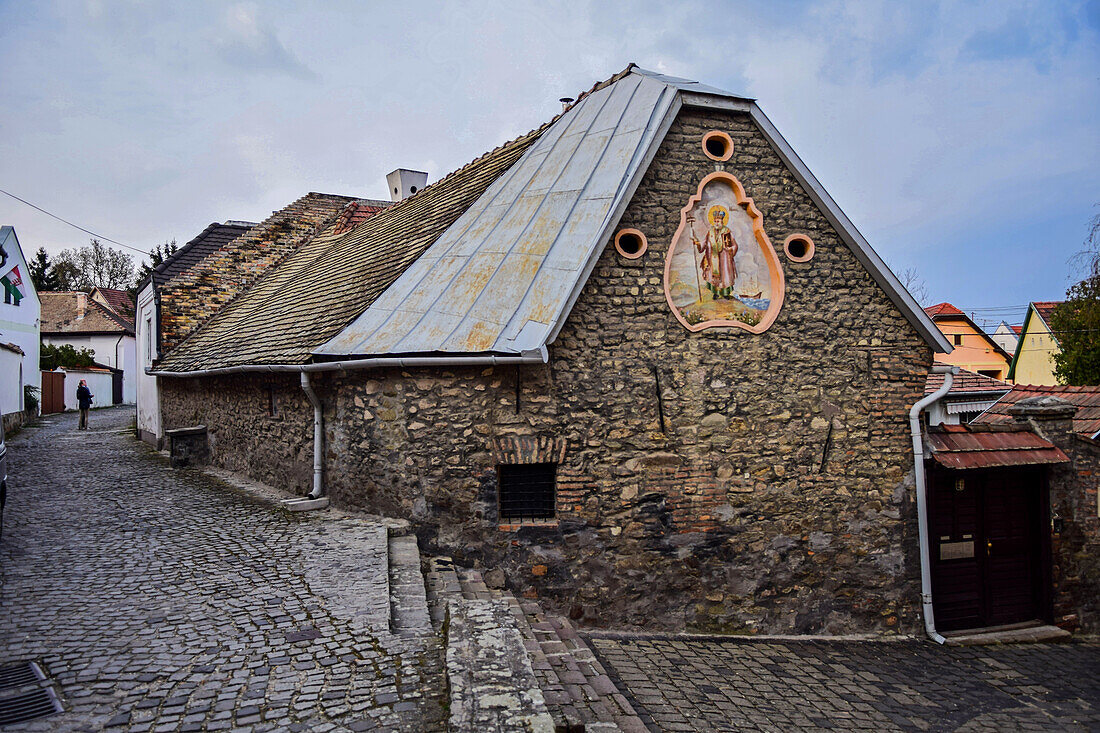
x,y
148,328
1007,336
614,359
970,395
20,312
117,300
974,349
74,318
1033,362
100,380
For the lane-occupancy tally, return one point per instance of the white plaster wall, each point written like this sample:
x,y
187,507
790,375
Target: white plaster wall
x,y
11,384
19,324
109,351
100,383
148,393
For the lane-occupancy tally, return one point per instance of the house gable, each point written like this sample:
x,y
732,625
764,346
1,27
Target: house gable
x,y
1033,360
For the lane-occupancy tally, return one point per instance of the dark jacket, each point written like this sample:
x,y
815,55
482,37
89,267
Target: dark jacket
x,y
84,397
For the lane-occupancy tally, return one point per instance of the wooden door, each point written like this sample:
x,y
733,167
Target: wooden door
x,y
53,392
985,532
116,388
1010,505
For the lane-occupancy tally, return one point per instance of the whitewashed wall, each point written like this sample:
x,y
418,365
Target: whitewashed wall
x,y
109,351
148,394
100,383
11,383
19,323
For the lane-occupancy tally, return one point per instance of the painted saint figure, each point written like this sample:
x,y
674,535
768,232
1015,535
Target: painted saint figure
x,y
718,249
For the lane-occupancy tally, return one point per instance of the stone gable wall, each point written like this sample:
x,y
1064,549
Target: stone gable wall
x,y
772,497
192,297
1076,549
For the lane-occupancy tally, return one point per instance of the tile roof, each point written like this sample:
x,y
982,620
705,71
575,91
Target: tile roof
x,y
1046,308
117,300
966,382
1086,399
13,348
312,294
943,309
970,446
357,213
207,242
61,315
600,145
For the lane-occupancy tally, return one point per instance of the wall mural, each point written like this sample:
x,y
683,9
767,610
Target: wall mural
x,y
721,270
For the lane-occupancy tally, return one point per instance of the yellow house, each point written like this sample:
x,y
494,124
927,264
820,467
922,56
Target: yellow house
x,y
1033,362
974,349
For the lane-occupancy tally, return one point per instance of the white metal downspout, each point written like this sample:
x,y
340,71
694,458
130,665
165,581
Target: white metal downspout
x,y
318,436
948,373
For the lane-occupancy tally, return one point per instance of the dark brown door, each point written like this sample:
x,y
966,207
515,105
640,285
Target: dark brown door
x,y
1010,503
53,392
985,541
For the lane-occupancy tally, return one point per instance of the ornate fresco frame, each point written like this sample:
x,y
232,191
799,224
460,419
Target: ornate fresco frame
x,y
775,269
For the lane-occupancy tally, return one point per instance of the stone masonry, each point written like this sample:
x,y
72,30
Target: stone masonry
x,y
716,481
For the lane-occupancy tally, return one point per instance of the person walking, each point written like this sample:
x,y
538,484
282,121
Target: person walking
x,y
84,400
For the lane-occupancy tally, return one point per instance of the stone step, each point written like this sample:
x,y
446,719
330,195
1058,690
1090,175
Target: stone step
x,y
579,694
408,599
443,586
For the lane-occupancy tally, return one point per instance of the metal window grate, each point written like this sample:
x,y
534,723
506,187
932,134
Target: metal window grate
x,y
19,674
527,491
37,703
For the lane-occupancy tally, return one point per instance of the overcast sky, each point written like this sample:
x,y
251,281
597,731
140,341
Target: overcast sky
x,y
961,138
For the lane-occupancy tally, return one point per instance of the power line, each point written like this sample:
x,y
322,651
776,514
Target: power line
x,y
75,226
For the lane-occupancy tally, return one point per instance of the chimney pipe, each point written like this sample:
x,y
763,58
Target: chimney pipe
x,y
81,305
565,102
404,183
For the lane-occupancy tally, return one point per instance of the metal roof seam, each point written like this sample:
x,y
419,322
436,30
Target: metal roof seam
x,y
580,135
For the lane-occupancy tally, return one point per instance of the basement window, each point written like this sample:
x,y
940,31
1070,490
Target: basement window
x,y
527,492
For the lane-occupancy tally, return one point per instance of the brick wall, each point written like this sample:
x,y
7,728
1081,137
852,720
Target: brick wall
x,y
772,497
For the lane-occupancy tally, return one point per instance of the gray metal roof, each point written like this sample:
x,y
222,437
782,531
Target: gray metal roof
x,y
505,275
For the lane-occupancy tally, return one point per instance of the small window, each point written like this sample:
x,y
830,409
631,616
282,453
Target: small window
x,y
957,339
799,248
527,491
272,403
718,146
631,243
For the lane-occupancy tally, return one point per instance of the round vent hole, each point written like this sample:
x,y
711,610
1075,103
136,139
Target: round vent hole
x,y
631,243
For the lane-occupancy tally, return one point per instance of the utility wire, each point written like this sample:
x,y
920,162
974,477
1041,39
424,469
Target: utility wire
x,y
75,226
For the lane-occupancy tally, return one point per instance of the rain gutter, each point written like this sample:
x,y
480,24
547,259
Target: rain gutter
x,y
948,373
539,356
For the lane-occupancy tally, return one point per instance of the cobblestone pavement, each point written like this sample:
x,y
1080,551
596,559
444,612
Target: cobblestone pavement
x,y
163,600
705,684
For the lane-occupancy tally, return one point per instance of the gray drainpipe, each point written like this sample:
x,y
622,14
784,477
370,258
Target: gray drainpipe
x,y
541,356
948,373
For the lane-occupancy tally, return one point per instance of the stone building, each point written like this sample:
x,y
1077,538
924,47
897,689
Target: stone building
x,y
636,363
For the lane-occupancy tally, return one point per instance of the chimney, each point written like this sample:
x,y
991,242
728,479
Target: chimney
x,y
404,183
81,305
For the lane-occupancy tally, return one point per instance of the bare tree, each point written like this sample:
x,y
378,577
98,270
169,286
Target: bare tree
x,y
915,284
94,266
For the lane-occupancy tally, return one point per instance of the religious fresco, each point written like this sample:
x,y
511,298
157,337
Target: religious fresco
x,y
721,270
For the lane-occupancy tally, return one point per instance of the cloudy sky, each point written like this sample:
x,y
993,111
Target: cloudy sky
x,y
961,138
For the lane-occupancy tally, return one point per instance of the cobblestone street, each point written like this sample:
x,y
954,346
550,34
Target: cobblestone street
x,y
714,684
163,600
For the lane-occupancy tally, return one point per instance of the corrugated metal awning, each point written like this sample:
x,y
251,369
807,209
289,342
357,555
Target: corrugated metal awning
x,y
962,448
954,408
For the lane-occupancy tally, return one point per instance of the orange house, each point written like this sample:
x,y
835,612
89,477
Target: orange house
x,y
975,350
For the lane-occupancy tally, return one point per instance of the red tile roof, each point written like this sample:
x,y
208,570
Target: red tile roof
x,y
1045,308
969,446
1017,329
966,382
943,309
1086,399
117,300
357,213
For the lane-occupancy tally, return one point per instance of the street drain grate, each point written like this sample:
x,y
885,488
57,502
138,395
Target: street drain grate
x,y
30,705
19,674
